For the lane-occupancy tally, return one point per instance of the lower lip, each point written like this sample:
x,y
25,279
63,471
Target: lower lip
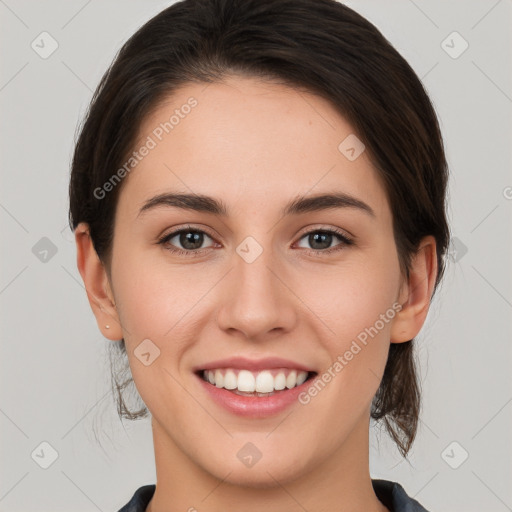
x,y
254,406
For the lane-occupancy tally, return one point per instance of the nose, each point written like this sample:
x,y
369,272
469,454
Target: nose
x,y
257,300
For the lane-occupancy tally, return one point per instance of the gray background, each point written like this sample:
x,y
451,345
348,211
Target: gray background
x,y
54,366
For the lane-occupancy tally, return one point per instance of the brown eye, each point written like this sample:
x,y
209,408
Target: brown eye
x,y
184,241
320,240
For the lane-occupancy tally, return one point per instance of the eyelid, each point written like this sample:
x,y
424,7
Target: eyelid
x,y
345,241
187,227
340,231
163,239
308,230
346,238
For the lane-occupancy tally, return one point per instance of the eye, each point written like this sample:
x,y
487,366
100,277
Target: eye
x,y
321,240
191,241
189,238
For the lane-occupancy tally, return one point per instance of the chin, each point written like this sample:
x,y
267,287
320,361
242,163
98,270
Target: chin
x,y
264,474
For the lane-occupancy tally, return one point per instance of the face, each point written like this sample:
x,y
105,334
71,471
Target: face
x,y
304,286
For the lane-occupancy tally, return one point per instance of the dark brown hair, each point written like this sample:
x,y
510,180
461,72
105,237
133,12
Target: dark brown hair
x,y
320,46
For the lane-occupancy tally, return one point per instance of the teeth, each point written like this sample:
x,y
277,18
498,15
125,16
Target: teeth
x,y
279,381
266,381
246,381
230,380
219,379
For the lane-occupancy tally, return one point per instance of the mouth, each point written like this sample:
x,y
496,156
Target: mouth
x,y
259,384
256,394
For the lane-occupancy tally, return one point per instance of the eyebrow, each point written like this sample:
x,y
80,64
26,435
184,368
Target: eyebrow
x,y
299,205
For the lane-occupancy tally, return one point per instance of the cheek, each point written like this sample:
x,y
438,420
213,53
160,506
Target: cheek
x,y
154,304
154,296
359,310
354,297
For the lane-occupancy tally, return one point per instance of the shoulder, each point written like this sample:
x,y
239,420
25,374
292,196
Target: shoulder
x,y
140,499
394,497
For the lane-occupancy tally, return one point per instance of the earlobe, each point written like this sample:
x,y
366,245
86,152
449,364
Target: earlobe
x,y
416,292
97,285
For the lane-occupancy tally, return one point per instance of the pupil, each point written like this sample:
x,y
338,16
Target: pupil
x,y
313,239
191,240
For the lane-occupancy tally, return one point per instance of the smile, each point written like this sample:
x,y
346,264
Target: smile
x,y
252,383
254,394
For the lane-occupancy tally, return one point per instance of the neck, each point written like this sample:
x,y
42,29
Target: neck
x,y
340,482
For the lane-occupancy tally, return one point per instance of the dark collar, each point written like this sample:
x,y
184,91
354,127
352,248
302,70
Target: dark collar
x,y
391,494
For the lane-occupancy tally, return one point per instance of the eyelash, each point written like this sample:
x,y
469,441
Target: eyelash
x,y
345,241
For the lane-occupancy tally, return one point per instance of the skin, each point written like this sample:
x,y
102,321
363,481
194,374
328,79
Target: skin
x,y
287,303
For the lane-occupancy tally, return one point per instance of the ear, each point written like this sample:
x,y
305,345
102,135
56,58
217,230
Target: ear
x,y
97,284
416,292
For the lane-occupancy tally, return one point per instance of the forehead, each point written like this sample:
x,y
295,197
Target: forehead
x,y
248,141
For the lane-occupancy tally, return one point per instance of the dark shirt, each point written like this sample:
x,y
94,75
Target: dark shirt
x,y
391,494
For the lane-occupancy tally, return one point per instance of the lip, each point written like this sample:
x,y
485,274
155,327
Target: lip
x,y
254,406
253,364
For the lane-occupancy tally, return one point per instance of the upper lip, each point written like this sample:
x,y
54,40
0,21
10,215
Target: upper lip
x,y
253,364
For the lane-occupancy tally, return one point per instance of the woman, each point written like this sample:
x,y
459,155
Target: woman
x,y
258,201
